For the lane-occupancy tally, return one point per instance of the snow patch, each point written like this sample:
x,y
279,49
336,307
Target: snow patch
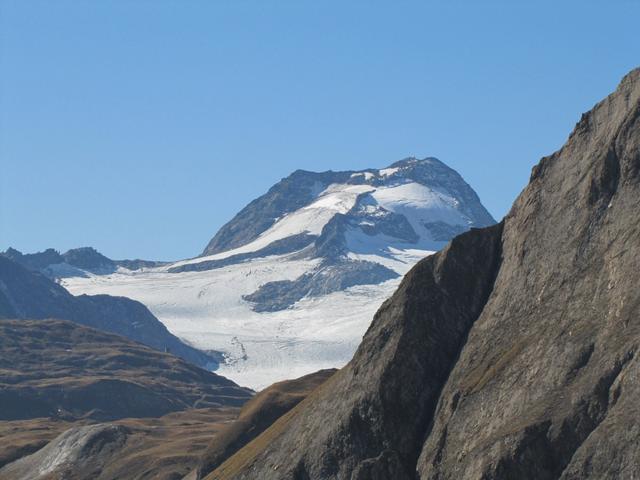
x,y
387,172
206,309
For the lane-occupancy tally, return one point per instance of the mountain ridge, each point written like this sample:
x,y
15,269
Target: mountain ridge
x,y
98,375
76,259
31,295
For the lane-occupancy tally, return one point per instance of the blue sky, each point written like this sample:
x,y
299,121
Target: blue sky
x,y
140,127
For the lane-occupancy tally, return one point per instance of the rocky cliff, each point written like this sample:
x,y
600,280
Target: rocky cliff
x,y
512,353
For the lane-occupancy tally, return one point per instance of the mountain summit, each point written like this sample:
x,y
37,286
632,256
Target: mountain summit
x,y
414,201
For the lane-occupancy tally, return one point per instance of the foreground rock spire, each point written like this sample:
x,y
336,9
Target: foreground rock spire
x,y
512,353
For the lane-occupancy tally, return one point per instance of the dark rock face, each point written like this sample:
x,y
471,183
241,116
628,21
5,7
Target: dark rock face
x,y
560,375
58,369
278,247
88,258
332,246
513,353
34,261
31,295
442,231
138,264
288,195
329,278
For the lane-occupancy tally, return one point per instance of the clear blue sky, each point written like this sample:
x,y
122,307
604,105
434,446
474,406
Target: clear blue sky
x,y
140,127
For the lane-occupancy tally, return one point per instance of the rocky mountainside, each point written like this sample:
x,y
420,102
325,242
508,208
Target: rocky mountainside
x,y
289,286
56,368
162,412
256,416
30,295
170,447
512,353
164,448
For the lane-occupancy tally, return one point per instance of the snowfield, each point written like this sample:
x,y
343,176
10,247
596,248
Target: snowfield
x,y
206,309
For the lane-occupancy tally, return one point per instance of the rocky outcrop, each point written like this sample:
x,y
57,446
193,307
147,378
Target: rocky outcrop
x,y
31,295
512,353
78,453
327,278
158,448
84,258
34,261
88,258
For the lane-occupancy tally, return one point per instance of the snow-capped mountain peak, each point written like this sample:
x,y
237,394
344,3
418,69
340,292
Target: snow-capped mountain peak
x,y
434,200
290,284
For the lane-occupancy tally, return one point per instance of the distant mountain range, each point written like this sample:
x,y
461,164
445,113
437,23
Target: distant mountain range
x,y
289,285
76,261
30,295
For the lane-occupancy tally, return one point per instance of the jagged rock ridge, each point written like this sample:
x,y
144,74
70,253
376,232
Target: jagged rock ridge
x,y
74,262
513,353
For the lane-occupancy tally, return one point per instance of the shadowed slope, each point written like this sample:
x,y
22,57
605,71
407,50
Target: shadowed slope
x,y
54,368
257,415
